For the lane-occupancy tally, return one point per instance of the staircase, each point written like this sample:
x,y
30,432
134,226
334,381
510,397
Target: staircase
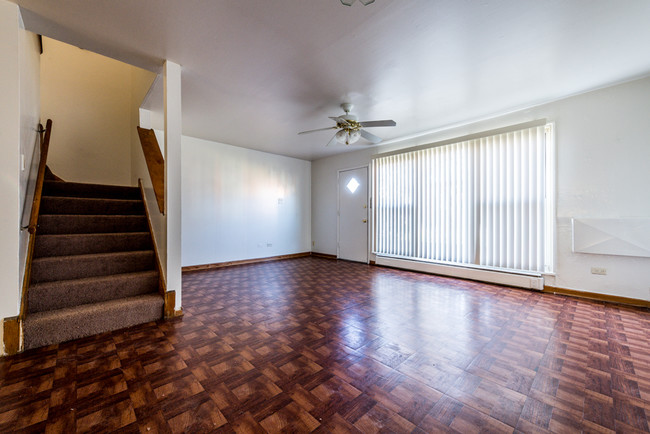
x,y
94,268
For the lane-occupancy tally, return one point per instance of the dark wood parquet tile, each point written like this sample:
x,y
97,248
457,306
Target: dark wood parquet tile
x,y
314,345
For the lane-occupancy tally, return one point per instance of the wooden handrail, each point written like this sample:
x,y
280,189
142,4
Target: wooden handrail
x,y
155,164
162,282
33,218
38,190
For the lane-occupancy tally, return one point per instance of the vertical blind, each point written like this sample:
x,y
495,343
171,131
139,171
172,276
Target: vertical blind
x,y
479,201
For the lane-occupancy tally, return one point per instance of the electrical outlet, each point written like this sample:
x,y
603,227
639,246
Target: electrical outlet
x,y
599,270
313,243
269,244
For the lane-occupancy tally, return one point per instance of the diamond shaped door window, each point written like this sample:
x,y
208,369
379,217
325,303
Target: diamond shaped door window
x,y
352,185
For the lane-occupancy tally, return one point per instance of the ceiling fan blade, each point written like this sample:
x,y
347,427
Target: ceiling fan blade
x,y
384,123
339,120
332,141
370,137
320,129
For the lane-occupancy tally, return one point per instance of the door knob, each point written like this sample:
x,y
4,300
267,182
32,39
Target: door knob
x,y
364,220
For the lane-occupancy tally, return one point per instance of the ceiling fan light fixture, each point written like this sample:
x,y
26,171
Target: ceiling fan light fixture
x,y
363,2
347,136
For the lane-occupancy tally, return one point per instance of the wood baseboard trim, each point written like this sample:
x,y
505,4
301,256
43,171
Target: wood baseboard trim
x,y
170,304
597,297
11,335
323,255
191,268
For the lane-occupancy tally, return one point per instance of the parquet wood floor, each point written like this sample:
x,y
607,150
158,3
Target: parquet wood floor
x,y
318,345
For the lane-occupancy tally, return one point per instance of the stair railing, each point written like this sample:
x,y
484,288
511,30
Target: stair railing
x,y
36,206
155,164
13,325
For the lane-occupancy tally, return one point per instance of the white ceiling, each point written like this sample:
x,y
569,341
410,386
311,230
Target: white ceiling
x,y
255,73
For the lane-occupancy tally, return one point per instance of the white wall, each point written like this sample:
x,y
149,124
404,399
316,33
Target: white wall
x,y
173,180
88,97
237,201
603,157
9,163
30,109
18,121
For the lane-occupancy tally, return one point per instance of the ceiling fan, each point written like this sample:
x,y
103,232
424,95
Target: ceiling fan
x,y
350,129
349,2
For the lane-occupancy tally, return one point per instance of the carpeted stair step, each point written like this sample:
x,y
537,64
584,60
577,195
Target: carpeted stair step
x,y
82,244
71,267
46,328
93,268
75,189
94,206
68,293
89,224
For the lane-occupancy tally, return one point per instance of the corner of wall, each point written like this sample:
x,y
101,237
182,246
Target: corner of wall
x,y
30,110
141,83
19,117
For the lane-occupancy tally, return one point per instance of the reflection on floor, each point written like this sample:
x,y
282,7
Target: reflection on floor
x,y
315,344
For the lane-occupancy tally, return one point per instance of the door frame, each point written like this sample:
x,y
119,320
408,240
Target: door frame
x,y
338,209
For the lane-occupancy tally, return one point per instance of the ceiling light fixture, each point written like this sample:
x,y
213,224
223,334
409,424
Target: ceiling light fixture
x,y
348,136
350,2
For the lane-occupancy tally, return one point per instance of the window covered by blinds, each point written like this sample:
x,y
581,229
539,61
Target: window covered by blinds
x,y
479,201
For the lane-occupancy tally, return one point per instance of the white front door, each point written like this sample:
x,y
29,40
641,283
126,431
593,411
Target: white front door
x,y
353,214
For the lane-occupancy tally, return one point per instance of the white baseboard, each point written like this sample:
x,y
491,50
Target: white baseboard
x,y
502,278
